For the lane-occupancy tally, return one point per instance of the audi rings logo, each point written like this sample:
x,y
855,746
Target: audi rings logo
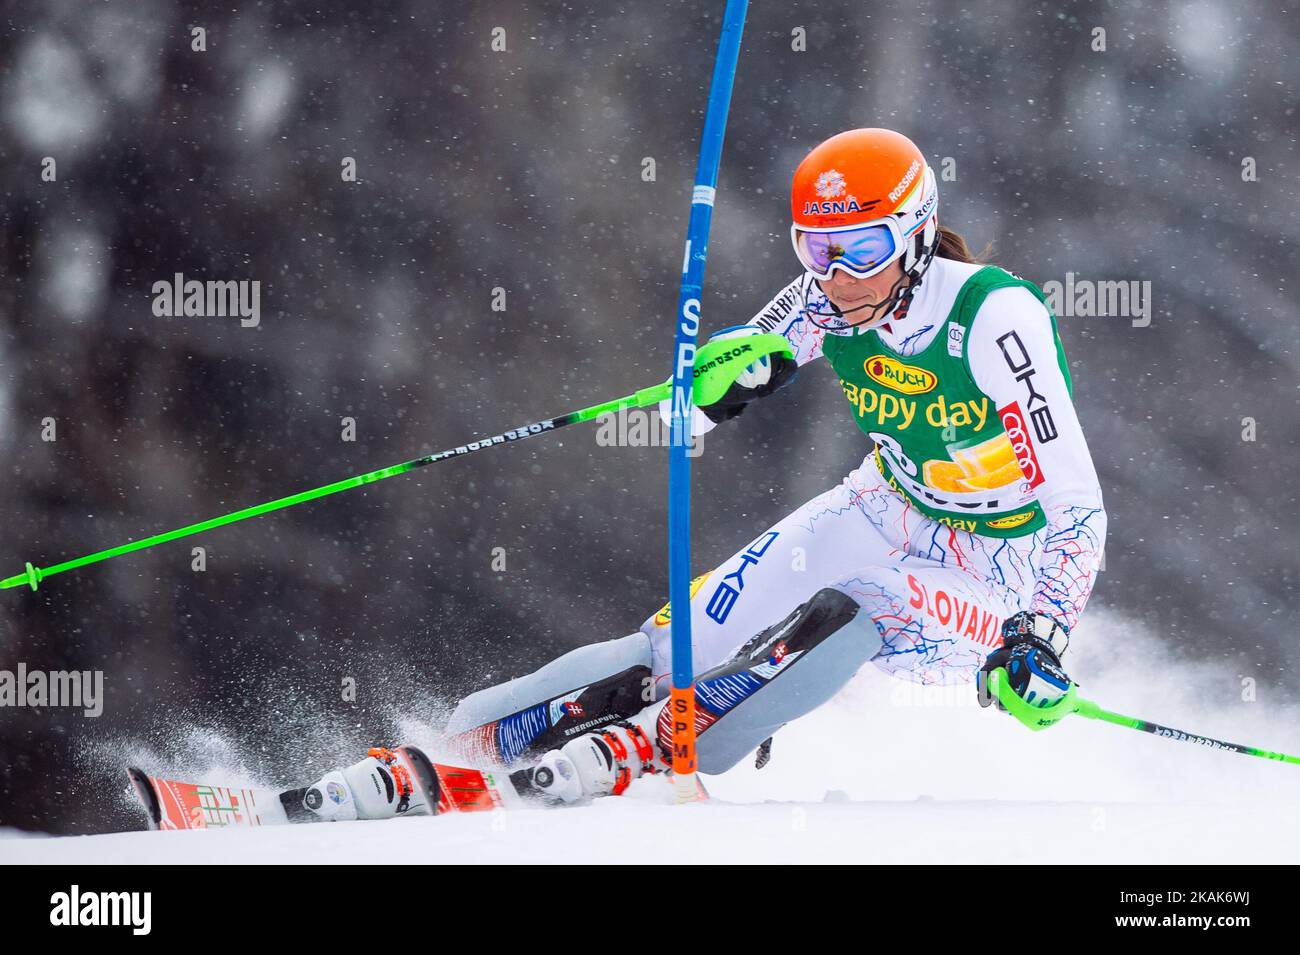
x,y
1022,446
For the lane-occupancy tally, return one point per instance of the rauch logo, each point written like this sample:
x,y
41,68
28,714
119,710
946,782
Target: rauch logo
x,y
891,373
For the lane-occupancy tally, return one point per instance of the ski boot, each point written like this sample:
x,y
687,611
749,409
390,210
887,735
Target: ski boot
x,y
386,784
600,763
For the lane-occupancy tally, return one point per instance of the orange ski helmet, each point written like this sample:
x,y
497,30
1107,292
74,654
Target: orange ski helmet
x,y
861,200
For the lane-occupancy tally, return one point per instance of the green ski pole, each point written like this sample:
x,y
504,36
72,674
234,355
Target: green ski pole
x,y
716,368
1037,718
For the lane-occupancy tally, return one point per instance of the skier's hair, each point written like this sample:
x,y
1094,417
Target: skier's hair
x,y
953,246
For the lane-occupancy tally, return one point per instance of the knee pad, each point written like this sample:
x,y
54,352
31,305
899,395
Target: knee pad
x,y
574,694
788,670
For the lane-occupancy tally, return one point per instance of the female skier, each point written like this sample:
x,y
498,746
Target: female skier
x,y
968,539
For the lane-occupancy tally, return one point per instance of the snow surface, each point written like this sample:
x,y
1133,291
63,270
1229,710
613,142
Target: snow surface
x,y
887,772
612,831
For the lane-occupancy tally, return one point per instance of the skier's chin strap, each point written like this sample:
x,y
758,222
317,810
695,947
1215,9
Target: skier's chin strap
x,y
895,304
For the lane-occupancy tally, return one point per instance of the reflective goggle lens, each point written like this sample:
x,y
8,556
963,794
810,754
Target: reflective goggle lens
x,y
863,250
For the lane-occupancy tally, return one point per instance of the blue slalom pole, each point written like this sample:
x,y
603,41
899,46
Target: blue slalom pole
x,y
682,699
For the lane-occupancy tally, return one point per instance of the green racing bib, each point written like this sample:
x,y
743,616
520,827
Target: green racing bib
x,y
940,442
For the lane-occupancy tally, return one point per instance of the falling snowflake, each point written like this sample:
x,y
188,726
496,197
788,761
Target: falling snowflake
x,y
830,184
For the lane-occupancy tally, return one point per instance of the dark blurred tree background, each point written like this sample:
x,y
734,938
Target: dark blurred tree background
x,y
522,170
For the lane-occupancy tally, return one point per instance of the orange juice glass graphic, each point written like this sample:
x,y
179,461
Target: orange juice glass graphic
x,y
979,467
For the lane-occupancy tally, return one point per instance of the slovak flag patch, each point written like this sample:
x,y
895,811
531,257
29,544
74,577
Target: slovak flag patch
x,y
567,705
776,661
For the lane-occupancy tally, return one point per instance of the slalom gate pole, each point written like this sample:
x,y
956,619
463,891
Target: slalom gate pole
x,y
726,361
682,698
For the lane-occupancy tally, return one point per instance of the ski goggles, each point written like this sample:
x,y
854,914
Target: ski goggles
x,y
861,251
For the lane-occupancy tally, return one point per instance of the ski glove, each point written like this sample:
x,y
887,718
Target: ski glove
x,y
1032,644
757,381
